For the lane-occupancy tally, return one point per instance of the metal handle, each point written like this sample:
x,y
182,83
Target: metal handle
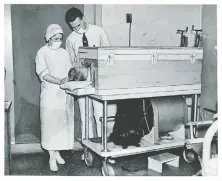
x,y
154,58
193,58
111,60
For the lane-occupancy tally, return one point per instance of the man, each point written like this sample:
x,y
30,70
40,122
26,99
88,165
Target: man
x,y
85,34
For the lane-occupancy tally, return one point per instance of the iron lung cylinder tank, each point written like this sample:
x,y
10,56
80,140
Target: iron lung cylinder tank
x,y
170,113
132,122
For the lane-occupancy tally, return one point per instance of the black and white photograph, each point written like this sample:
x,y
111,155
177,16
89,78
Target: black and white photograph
x,y
110,89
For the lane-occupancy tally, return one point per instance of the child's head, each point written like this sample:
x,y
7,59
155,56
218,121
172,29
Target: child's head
x,y
80,73
77,74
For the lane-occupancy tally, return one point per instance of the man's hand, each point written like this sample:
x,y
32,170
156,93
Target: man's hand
x,y
87,63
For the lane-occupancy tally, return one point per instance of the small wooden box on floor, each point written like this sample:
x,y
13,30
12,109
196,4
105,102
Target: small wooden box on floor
x,y
156,162
127,68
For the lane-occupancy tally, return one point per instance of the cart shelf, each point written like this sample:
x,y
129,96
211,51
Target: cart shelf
x,y
115,151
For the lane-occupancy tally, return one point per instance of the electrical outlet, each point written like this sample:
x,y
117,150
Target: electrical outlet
x,y
129,18
7,104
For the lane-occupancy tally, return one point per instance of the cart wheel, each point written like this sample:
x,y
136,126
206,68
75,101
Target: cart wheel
x,y
88,157
108,169
189,155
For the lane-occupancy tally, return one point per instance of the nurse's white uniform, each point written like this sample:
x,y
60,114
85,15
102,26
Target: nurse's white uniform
x,y
56,107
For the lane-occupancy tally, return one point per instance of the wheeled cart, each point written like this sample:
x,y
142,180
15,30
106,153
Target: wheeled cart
x,y
109,150
154,73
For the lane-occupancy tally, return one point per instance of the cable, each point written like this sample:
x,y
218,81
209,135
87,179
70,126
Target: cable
x,y
129,34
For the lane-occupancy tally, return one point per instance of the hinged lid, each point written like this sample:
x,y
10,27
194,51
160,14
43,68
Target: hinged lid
x,y
154,54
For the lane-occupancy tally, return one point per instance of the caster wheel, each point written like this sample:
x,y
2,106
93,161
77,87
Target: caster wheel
x,y
88,157
189,156
108,169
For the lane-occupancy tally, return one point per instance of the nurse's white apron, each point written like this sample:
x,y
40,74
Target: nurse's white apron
x,y
56,107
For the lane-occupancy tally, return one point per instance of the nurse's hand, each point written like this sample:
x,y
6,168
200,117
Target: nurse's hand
x,y
66,79
72,85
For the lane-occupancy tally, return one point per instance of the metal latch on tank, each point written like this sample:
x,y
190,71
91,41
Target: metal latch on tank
x,y
111,60
154,58
193,58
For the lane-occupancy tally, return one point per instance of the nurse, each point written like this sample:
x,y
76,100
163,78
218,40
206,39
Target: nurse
x,y
56,107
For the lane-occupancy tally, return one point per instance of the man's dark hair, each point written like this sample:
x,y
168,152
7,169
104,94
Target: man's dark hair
x,y
72,14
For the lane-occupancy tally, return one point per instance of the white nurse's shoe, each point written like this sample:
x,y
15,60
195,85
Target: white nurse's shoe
x,y
53,166
59,159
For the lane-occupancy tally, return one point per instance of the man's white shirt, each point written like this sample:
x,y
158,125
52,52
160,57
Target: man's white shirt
x,y
96,36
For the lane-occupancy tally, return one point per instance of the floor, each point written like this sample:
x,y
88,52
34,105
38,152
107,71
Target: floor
x,y
37,164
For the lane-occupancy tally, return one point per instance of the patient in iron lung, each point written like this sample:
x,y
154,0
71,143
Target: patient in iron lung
x,y
80,73
77,74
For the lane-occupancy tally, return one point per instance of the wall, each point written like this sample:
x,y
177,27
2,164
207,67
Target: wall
x,y
152,25
89,13
29,23
209,71
9,85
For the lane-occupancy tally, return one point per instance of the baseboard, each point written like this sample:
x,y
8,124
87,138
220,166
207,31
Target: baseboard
x,y
28,148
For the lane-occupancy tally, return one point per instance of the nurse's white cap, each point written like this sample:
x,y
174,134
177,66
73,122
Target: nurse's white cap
x,y
52,30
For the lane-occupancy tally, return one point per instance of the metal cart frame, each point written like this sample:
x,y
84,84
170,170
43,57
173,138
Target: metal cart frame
x,y
104,151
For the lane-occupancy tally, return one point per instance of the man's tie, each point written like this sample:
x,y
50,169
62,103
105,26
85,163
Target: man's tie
x,y
84,40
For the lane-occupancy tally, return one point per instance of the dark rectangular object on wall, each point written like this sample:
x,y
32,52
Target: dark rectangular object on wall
x,y
208,97
129,18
